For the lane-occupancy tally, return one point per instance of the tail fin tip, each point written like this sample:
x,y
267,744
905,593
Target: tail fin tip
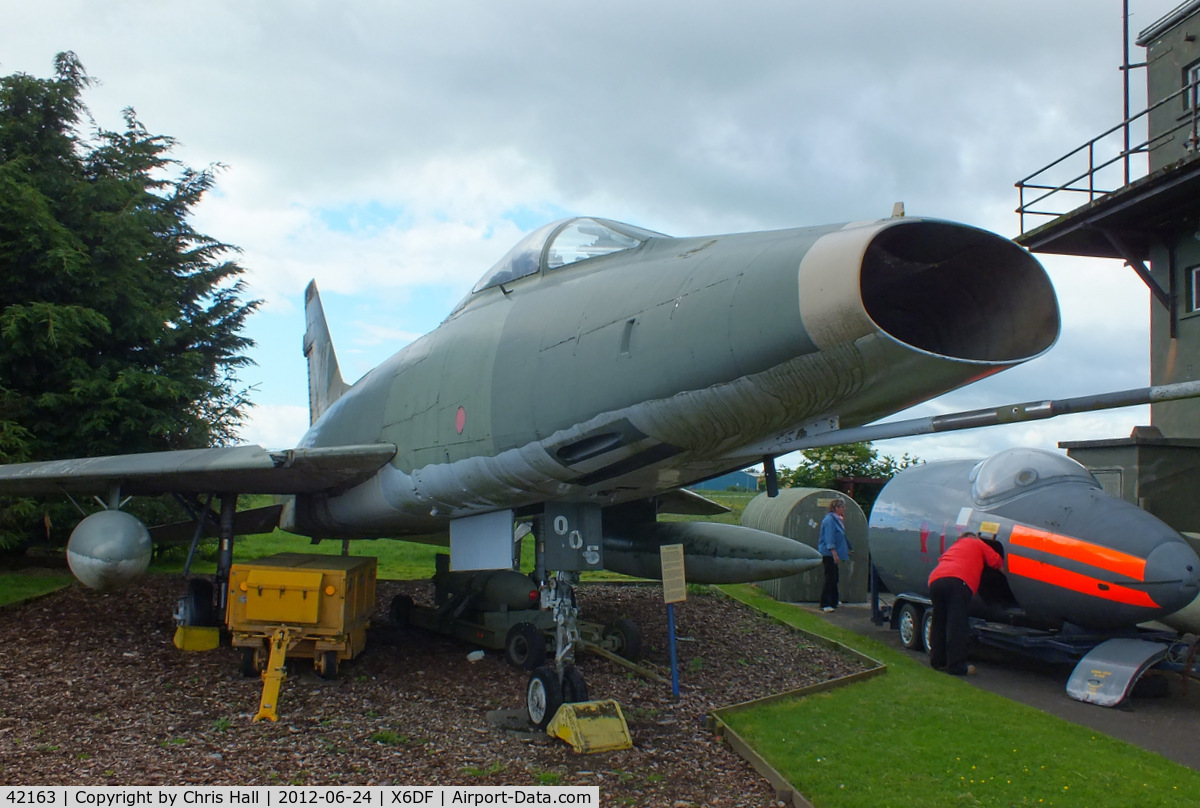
x,y
325,385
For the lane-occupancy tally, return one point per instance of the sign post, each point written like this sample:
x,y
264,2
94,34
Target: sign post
x,y
674,591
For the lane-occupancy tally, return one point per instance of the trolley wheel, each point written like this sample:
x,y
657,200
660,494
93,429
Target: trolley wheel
x,y
543,696
525,647
574,688
327,664
624,638
254,660
910,626
402,606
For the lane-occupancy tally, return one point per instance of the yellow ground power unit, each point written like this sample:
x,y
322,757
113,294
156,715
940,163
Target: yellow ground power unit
x,y
297,604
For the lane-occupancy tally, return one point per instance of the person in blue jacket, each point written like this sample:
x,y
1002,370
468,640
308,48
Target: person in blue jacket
x,y
834,549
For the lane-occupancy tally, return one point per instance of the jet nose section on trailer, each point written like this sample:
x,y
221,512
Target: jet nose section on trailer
x,y
1172,575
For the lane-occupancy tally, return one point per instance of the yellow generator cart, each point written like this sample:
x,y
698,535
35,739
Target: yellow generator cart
x,y
295,604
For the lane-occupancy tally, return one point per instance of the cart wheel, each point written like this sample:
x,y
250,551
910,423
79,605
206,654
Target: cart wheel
x,y
327,664
525,646
543,696
573,686
254,661
402,606
624,638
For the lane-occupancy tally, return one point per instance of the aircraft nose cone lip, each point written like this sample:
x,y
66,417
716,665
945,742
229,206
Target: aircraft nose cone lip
x,y
1173,574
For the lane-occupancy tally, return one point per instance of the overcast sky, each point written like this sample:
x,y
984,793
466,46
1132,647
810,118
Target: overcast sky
x,y
394,150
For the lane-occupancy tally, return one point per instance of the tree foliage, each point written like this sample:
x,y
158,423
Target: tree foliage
x,y
120,324
825,467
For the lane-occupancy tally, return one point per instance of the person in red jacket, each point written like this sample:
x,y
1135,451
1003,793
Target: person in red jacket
x,y
952,584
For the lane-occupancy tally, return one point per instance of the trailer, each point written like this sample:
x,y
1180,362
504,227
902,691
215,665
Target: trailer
x,y
502,610
294,604
1108,665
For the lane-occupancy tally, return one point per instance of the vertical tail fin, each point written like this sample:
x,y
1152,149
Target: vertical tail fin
x,y
325,384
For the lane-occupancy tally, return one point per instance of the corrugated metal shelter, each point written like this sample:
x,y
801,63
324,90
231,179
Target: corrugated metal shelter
x,y
797,514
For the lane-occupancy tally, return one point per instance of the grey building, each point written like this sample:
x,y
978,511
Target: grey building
x,y
1133,193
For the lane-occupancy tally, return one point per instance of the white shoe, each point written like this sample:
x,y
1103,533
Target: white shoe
x,y
827,608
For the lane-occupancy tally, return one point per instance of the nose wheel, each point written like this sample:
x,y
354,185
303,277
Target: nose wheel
x,y
547,691
558,681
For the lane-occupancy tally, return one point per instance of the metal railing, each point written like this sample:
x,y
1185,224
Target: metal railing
x,y
1087,182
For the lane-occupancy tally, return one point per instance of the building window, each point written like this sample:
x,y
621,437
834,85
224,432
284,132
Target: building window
x,y
1192,274
1191,79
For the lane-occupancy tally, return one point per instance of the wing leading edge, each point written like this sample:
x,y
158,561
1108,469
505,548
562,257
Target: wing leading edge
x,y
235,469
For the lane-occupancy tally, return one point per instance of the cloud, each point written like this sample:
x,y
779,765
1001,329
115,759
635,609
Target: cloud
x,y
394,151
275,426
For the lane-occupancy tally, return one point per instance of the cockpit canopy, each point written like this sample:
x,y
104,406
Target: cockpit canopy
x,y
1013,472
561,243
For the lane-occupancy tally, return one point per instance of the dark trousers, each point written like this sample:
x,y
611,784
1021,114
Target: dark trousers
x,y
829,592
951,631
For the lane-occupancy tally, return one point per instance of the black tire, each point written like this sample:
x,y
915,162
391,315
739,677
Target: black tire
x,y
402,606
909,624
196,605
624,638
927,630
250,658
543,696
327,664
525,647
573,686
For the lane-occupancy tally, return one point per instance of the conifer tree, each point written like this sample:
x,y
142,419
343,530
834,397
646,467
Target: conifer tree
x,y
120,325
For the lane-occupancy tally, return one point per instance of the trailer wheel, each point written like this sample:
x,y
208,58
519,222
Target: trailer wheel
x,y
624,638
927,630
910,626
254,661
402,606
543,696
525,647
573,686
327,664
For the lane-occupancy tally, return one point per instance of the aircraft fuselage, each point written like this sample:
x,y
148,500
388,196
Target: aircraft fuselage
x,y
1073,554
625,375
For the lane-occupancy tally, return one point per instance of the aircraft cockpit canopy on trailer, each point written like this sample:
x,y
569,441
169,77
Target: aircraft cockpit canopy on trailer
x,y
1014,472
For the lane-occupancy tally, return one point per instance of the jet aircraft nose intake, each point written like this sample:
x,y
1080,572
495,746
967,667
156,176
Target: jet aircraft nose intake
x,y
1172,575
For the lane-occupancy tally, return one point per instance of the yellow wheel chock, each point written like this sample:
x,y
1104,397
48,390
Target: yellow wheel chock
x,y
591,726
197,638
274,675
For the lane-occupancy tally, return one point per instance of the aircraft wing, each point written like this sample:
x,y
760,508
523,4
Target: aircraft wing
x,y
233,469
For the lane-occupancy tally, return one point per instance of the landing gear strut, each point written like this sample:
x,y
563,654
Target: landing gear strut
x,y
551,686
203,602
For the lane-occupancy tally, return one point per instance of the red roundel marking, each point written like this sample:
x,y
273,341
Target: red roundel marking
x,y
460,420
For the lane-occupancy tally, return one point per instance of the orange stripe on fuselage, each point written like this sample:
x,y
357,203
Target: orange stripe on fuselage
x,y
1085,552
1057,576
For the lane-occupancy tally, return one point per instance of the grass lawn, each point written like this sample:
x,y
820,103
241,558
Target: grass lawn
x,y
915,737
398,560
16,587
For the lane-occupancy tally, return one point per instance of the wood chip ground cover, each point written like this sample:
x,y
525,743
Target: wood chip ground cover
x,y
92,692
